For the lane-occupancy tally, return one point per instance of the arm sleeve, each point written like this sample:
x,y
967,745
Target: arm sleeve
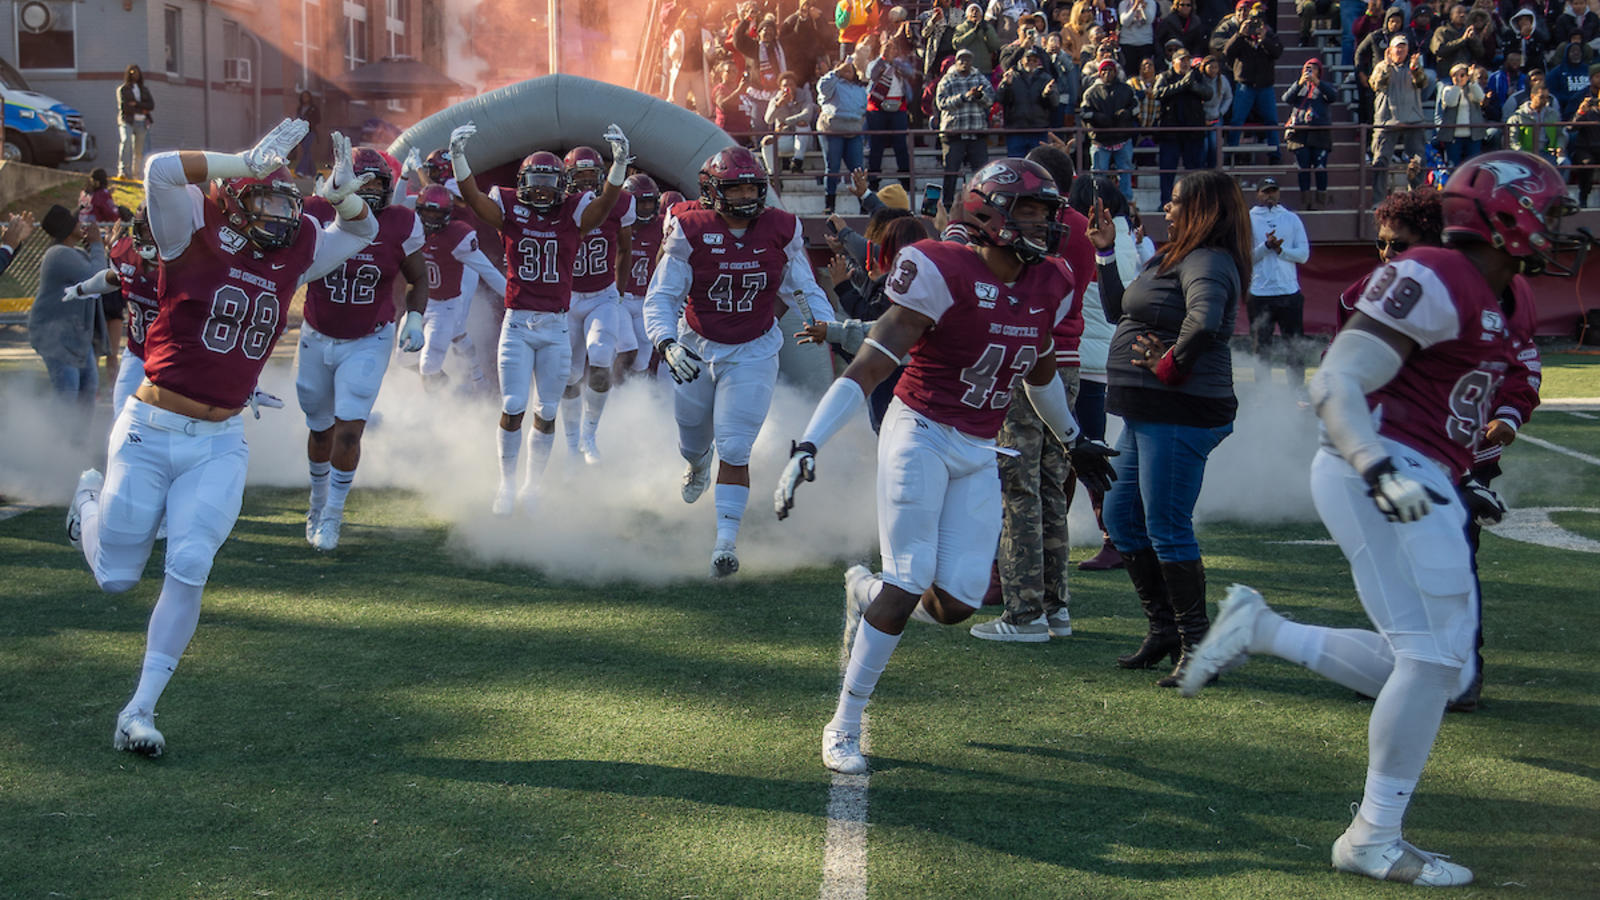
x,y
1110,281
97,284
473,260
799,279
668,288
172,203
1050,402
1297,249
1357,364
337,242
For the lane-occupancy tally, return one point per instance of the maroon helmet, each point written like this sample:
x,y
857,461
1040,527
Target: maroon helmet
x,y
991,204
731,167
646,196
585,170
669,199
541,181
265,210
1513,201
377,191
439,167
435,206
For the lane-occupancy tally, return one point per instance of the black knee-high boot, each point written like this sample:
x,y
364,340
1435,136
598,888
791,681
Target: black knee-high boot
x,y
1145,571
1186,589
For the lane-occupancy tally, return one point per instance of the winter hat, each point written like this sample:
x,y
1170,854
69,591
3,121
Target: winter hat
x,y
894,196
1313,63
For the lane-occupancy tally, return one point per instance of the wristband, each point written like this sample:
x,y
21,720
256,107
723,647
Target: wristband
x,y
226,165
1167,369
351,207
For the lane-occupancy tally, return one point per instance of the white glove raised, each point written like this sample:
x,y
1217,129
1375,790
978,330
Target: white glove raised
x,y
458,150
270,152
681,361
411,332
802,467
340,187
260,398
1483,503
619,155
412,164
75,292
1399,497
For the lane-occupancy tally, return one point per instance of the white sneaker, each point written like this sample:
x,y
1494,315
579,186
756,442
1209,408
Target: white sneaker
x,y
136,732
841,752
89,485
1398,861
312,518
591,452
505,499
1035,632
1060,623
724,560
1227,643
696,478
327,534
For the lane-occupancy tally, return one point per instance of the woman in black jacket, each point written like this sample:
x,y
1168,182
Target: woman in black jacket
x,y
1170,378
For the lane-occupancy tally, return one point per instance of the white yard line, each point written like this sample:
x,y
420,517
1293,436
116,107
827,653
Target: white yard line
x,y
844,848
1557,448
11,510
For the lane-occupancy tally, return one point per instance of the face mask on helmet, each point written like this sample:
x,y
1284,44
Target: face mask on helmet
x,y
540,190
272,217
433,218
144,242
645,208
376,193
1027,225
584,179
747,205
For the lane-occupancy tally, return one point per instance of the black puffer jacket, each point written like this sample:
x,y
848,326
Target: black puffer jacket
x,y
1183,99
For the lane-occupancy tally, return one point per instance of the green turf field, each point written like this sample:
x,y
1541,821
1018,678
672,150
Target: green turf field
x,y
396,721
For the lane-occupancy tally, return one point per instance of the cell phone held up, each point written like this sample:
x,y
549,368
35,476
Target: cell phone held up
x,y
931,195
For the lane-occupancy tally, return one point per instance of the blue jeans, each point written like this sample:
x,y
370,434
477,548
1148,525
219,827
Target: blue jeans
x,y
1309,158
1018,145
1263,102
80,379
841,147
1349,12
1460,149
897,122
1103,160
1158,480
1189,150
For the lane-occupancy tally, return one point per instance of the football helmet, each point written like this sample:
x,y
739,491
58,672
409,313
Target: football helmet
x,y
731,167
646,196
585,166
990,207
541,181
707,190
265,210
144,241
669,199
1514,201
377,191
439,167
434,207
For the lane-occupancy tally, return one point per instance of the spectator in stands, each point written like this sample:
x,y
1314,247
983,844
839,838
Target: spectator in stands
x,y
889,93
1522,37
1217,108
1458,114
1370,20
735,110
1137,36
1254,52
790,112
1144,89
1583,145
1422,27
1075,34
1536,126
1507,80
1184,26
1069,81
1569,80
1182,91
61,324
688,63
807,36
135,112
1028,97
1007,15
977,35
1517,98
855,20
842,99
1278,247
1369,54
1456,41
95,201
1110,112
1229,26
1308,12
1578,20
1485,23
1310,100
938,37
764,53
964,97
1350,11
1398,82
1011,54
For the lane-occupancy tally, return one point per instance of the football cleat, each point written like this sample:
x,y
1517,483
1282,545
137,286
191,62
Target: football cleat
x,y
326,536
841,752
313,516
724,561
505,499
1035,632
136,733
696,478
1227,643
1398,861
1060,623
89,486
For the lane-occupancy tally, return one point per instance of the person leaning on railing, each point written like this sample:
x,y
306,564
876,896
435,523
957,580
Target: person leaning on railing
x,y
1110,112
1536,127
1181,92
1458,113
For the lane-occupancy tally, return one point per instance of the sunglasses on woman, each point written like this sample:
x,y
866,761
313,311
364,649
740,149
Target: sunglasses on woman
x,y
1396,247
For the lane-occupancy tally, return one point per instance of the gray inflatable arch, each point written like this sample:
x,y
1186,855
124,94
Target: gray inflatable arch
x,y
560,111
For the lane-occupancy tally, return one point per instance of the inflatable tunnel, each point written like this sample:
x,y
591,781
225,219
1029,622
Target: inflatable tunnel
x,y
558,112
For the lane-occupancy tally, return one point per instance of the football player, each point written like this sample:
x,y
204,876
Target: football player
x,y
542,227
455,266
347,338
231,259
595,317
1405,394
643,252
732,262
975,321
134,271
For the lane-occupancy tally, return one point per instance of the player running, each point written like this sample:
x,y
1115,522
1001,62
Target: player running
x,y
347,338
732,262
542,228
976,321
1404,394
232,260
455,266
644,249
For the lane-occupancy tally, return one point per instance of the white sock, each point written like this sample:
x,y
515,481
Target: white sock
x,y
1405,720
89,532
172,624
868,656
510,447
571,418
539,446
594,403
338,489
319,484
731,501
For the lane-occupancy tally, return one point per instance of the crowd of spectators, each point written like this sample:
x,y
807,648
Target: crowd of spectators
x,y
1435,86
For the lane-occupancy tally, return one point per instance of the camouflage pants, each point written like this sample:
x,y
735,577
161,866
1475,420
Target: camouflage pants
x,y
1033,532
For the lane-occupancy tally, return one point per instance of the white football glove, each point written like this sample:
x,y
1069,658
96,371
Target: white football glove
x,y
619,155
682,362
260,398
340,187
802,467
270,152
75,292
412,164
411,332
1400,498
458,150
1483,503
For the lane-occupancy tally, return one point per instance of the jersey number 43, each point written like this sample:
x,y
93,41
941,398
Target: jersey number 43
x,y
983,376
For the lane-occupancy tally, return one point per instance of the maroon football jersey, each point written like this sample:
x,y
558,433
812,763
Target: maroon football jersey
x,y
444,267
733,296
1078,253
646,247
1445,392
223,307
986,336
138,283
540,250
596,266
357,298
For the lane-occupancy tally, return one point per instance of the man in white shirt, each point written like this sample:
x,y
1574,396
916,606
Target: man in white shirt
x,y
1278,246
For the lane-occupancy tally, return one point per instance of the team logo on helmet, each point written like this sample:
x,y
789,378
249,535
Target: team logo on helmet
x,y
1514,201
993,198
998,174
